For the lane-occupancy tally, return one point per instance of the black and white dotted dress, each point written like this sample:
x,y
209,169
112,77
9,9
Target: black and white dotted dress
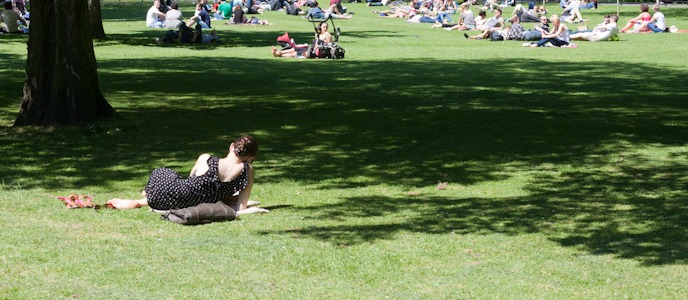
x,y
167,190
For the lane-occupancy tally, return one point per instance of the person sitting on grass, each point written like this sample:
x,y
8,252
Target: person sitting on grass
x,y
173,17
212,179
601,32
557,37
323,35
572,14
481,20
492,24
636,22
154,17
201,16
466,19
10,20
524,15
538,30
656,24
224,10
20,9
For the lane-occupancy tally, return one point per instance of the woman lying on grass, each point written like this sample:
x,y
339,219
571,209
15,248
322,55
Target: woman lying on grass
x,y
212,179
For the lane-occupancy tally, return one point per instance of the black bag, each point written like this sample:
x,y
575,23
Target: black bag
x,y
201,214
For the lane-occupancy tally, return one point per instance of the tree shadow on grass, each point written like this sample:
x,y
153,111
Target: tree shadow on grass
x,y
636,211
346,124
576,210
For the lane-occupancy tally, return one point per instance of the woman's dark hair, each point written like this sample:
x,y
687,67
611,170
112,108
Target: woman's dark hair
x,y
174,5
245,145
8,5
482,13
644,7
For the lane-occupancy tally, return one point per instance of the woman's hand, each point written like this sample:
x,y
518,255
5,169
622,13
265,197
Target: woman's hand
x,y
252,210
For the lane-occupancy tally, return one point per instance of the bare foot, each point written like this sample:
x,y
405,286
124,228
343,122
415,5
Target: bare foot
x,y
275,52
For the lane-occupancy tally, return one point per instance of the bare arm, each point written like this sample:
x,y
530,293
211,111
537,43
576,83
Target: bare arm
x,y
201,165
636,19
245,194
555,32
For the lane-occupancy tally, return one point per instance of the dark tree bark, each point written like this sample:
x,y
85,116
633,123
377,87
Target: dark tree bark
x,y
97,30
61,74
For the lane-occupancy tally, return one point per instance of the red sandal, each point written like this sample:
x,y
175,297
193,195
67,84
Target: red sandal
x,y
70,201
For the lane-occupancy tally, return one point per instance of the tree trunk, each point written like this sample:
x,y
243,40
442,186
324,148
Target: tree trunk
x,y
61,74
97,30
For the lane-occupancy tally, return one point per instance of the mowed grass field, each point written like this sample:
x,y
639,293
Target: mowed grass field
x,y
564,171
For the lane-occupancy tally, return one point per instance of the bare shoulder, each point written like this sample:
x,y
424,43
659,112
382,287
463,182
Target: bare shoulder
x,y
231,172
201,165
203,157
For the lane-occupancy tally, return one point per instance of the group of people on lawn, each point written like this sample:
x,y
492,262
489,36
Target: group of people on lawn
x,y
547,31
167,15
14,18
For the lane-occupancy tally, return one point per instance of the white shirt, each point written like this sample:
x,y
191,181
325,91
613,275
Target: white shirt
x,y
659,20
10,18
152,16
603,33
173,18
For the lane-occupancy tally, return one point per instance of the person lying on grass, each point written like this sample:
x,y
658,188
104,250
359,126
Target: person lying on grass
x,y
187,36
492,24
239,18
322,37
601,32
212,179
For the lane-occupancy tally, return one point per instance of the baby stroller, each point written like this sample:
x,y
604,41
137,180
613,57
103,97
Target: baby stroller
x,y
322,50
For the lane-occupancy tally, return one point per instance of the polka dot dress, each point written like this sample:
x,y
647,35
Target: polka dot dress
x,y
167,190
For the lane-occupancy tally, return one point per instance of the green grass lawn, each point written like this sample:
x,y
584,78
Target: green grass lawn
x,y
566,169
